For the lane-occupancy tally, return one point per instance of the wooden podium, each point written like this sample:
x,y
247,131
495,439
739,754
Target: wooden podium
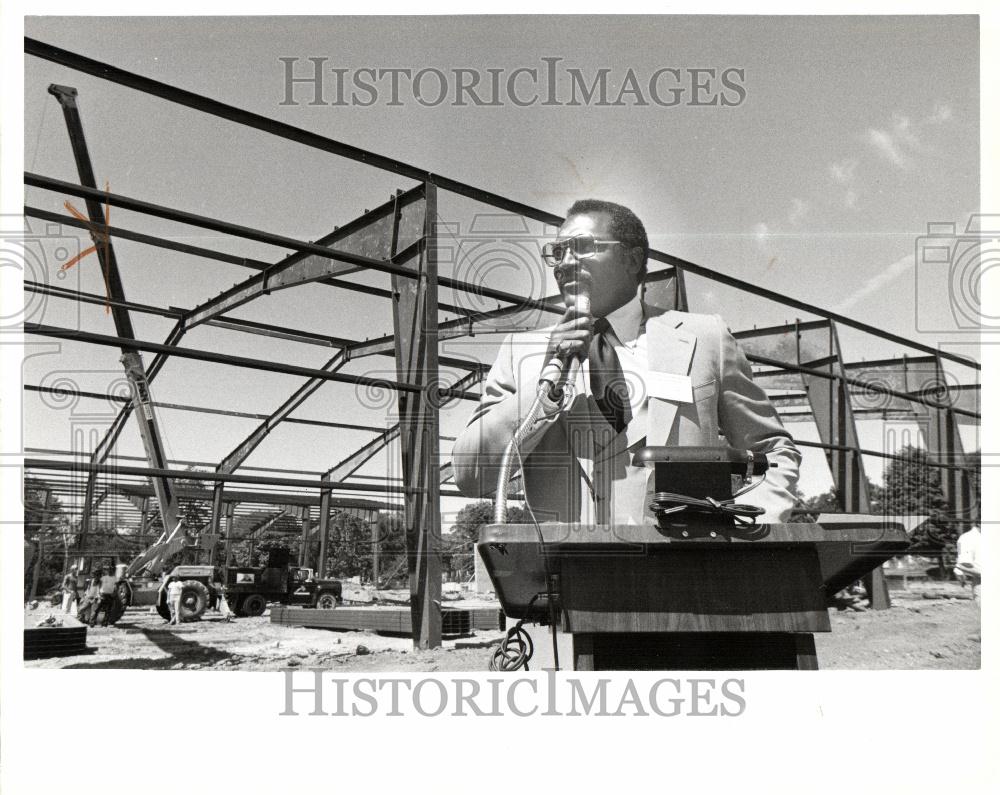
x,y
693,597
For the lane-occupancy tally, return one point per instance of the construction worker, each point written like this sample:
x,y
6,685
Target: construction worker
x,y
69,590
175,588
90,597
221,604
968,566
107,584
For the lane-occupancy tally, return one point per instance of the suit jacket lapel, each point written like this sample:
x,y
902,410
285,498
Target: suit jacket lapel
x,y
669,349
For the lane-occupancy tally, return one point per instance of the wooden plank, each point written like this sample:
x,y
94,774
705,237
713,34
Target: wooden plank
x,y
485,618
42,642
396,620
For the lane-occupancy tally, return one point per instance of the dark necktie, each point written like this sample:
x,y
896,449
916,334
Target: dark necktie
x,y
607,381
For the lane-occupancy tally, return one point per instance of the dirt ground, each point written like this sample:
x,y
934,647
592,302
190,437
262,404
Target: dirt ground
x,y
933,625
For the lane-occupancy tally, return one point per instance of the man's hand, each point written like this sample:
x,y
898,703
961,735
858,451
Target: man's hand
x,y
572,336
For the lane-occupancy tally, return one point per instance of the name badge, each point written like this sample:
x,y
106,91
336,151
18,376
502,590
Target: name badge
x,y
669,386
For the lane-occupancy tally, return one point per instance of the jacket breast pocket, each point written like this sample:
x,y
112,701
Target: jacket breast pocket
x,y
705,391
705,410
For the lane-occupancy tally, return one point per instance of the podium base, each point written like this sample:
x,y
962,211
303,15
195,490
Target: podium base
x,y
694,651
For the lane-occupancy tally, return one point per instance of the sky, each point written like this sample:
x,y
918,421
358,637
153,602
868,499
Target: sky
x,y
852,136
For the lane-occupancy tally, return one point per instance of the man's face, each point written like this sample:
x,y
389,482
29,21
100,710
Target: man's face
x,y
614,270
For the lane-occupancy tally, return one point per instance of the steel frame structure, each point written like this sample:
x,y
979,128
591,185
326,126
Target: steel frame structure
x,y
825,387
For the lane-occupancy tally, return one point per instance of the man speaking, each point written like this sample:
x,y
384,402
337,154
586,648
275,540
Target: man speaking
x,y
647,377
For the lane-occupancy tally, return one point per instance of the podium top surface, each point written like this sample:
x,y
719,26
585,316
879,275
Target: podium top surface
x,y
845,528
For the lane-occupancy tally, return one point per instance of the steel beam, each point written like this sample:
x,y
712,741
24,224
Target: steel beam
x,y
304,539
204,222
352,463
234,324
324,532
218,358
945,445
782,367
665,289
131,359
247,498
300,269
516,318
830,401
210,254
107,443
201,410
177,474
415,326
937,420
817,368
248,326
259,236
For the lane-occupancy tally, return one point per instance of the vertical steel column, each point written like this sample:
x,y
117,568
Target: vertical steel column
x,y
415,317
944,444
304,544
324,531
682,296
376,546
830,402
230,516
215,523
40,546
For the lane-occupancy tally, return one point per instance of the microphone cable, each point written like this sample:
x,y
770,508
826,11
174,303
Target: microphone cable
x,y
549,596
665,503
514,650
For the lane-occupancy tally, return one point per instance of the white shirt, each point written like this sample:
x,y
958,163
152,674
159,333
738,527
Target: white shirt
x,y
968,547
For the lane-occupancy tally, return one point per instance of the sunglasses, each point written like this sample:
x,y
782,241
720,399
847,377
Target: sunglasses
x,y
582,247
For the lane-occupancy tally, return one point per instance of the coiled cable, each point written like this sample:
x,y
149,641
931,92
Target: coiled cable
x,y
665,503
514,650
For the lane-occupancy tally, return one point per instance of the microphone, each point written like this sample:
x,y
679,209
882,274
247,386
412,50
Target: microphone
x,y
551,377
581,302
548,387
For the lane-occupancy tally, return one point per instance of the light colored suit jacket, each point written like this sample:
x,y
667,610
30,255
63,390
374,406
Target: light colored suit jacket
x,y
576,469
